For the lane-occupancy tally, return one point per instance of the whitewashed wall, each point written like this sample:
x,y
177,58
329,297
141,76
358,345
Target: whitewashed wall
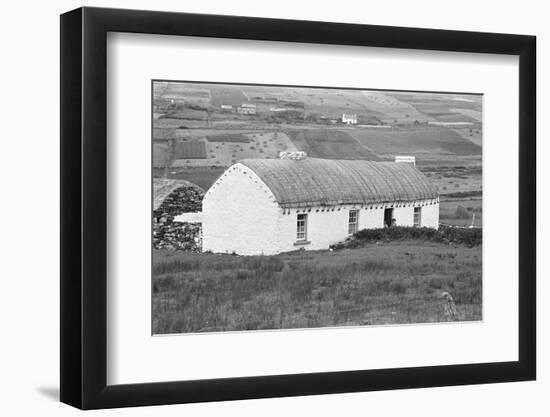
x,y
430,215
324,227
241,215
371,218
327,226
404,216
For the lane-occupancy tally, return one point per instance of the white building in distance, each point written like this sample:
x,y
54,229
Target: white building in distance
x,y
349,119
247,109
406,159
269,206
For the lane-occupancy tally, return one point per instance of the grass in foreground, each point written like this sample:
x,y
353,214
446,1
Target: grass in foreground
x,y
384,283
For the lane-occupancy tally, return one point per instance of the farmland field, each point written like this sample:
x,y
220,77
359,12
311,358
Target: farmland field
x,y
331,144
161,153
422,140
228,137
473,114
225,94
192,149
394,110
473,135
385,283
257,145
185,113
163,134
184,92
452,178
407,119
445,107
167,123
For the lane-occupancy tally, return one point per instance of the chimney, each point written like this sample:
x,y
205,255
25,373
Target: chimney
x,y
405,160
295,156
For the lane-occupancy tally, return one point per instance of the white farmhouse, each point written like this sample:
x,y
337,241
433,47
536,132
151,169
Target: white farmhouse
x,y
268,206
349,119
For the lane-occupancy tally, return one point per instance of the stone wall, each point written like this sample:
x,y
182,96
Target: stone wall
x,y
168,234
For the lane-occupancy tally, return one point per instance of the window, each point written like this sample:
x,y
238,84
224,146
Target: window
x,y
417,216
353,221
301,227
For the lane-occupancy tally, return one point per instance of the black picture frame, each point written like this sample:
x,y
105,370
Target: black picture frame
x,y
84,207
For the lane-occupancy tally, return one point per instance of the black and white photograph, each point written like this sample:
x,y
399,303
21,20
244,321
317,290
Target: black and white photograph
x,y
289,207
266,209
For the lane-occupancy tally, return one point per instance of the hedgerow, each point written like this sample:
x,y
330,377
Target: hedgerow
x,y
445,234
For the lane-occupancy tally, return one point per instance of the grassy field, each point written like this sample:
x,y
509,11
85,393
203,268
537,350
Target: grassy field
x,y
473,135
459,212
452,179
383,283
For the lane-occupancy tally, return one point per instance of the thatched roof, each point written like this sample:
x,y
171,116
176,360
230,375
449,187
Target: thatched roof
x,y
163,187
314,182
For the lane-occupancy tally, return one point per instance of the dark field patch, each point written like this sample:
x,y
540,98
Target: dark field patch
x,y
329,144
161,153
431,140
192,149
163,134
228,137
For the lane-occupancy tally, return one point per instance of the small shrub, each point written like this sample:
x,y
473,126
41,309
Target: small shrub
x,y
398,288
462,213
166,283
435,283
242,274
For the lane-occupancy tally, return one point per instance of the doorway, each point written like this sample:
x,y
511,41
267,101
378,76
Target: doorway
x,y
388,216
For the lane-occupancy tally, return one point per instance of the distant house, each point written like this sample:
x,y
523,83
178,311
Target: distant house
x,y
269,206
247,108
349,119
176,100
227,107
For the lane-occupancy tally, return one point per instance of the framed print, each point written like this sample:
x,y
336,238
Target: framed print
x,y
257,208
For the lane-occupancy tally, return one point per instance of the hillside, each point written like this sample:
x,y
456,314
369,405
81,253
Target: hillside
x,y
199,129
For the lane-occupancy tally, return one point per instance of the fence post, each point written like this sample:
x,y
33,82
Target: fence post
x,y
448,306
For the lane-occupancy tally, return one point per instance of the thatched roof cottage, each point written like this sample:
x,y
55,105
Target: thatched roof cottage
x,y
268,206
